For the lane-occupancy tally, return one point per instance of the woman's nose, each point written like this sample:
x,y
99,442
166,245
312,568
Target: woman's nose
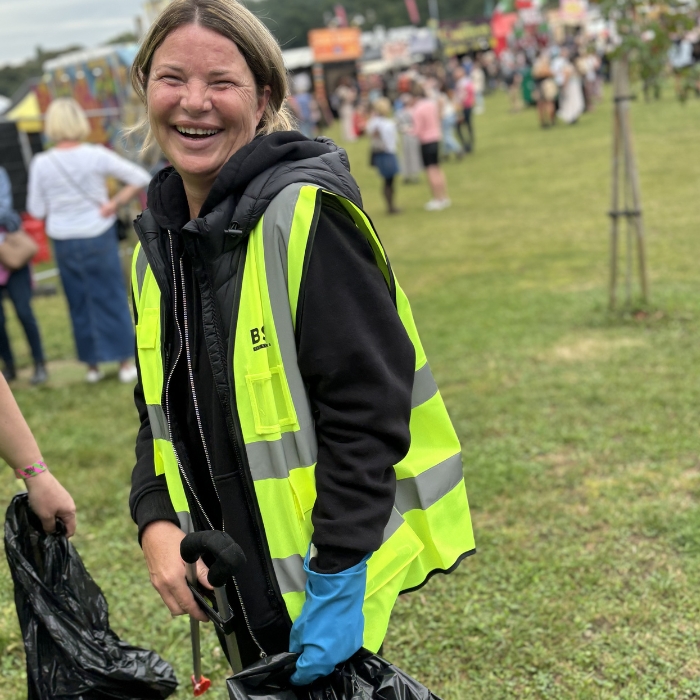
x,y
196,97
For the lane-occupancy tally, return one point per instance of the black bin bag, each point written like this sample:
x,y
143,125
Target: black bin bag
x,y
71,651
365,676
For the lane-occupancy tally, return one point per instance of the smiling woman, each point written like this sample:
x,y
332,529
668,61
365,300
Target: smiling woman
x,y
282,380
200,114
212,77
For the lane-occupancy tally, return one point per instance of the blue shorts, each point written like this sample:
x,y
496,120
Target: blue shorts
x,y
387,164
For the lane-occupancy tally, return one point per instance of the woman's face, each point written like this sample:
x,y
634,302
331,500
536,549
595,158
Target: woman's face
x,y
203,104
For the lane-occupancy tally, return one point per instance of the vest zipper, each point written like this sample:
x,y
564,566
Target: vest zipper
x,y
190,373
180,468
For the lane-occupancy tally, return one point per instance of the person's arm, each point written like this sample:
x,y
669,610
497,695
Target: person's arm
x,y
358,363
135,177
9,218
47,498
36,202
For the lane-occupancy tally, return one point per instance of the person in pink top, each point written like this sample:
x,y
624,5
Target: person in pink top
x,y
428,130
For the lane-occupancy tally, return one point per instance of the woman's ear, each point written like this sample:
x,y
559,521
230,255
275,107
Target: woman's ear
x,y
263,100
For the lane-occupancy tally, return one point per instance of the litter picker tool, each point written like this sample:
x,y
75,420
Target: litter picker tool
x,y
227,558
200,683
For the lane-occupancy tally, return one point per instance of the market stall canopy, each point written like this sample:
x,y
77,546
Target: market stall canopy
x,y
294,59
26,114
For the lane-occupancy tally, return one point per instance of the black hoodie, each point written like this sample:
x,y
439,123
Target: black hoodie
x,y
353,352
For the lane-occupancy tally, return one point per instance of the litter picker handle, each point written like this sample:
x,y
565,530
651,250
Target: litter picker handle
x,y
228,556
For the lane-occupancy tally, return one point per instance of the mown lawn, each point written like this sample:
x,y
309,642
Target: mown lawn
x,y
579,427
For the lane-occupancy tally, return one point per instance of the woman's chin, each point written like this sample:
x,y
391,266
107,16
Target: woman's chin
x,y
193,169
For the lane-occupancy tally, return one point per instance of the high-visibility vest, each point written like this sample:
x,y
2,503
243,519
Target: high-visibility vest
x,y
429,529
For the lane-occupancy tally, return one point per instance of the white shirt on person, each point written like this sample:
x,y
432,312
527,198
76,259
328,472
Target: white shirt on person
x,y
382,131
71,207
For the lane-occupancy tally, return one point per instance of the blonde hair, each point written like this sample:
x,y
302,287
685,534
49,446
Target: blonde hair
x,y
382,106
66,121
233,21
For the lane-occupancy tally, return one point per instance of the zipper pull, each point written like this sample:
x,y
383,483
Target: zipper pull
x,y
233,229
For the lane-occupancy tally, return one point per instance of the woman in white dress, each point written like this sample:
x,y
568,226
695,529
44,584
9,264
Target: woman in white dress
x,y
572,103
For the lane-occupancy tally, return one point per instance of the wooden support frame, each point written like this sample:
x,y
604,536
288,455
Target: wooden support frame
x,y
625,187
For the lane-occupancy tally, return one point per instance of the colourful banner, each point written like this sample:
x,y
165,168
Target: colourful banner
x,y
462,37
336,44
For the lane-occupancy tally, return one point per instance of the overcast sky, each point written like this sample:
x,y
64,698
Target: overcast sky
x,y
53,24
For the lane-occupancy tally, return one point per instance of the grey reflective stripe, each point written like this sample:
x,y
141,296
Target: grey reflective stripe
x,y
185,522
274,459
422,491
395,522
290,573
141,267
416,493
298,449
159,425
424,386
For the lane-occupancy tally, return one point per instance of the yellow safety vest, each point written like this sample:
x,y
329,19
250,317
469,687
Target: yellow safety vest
x,y
430,527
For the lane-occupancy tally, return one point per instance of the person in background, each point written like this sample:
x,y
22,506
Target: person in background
x,y
587,65
18,285
47,498
67,187
411,163
479,80
571,102
347,96
304,106
383,133
515,91
426,128
465,96
448,113
545,90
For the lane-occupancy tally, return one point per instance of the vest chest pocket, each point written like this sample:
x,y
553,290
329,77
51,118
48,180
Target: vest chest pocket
x,y
270,401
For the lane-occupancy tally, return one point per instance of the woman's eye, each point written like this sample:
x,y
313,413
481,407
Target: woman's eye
x,y
222,84
171,79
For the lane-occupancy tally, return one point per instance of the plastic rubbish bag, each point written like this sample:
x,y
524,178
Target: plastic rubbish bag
x,y
71,650
365,676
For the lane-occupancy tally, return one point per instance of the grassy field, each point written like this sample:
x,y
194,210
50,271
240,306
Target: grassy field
x,y
579,428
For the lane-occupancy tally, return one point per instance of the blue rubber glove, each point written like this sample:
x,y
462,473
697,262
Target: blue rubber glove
x,y
331,625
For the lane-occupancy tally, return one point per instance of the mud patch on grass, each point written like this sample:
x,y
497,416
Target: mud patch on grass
x,y
589,349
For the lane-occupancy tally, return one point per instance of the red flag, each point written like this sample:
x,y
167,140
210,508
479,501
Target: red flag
x,y
413,13
341,16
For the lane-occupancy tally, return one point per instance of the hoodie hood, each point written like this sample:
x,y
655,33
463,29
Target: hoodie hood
x,y
251,179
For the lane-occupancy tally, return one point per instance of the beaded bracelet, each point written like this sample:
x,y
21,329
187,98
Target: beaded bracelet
x,y
32,470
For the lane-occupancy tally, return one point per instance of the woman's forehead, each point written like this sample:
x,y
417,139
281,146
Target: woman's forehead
x,y
193,44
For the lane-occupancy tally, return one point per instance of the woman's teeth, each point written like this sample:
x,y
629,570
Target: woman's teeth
x,y
187,131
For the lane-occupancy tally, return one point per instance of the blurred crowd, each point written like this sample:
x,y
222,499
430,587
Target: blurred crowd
x,y
418,117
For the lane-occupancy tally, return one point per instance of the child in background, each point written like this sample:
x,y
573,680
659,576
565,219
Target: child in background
x,y
383,133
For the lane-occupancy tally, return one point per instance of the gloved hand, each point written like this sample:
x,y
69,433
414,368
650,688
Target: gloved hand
x,y
331,625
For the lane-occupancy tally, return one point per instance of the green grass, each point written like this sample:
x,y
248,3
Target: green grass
x,y
579,427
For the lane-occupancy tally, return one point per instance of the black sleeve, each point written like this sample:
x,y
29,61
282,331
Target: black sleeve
x,y
358,363
149,499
